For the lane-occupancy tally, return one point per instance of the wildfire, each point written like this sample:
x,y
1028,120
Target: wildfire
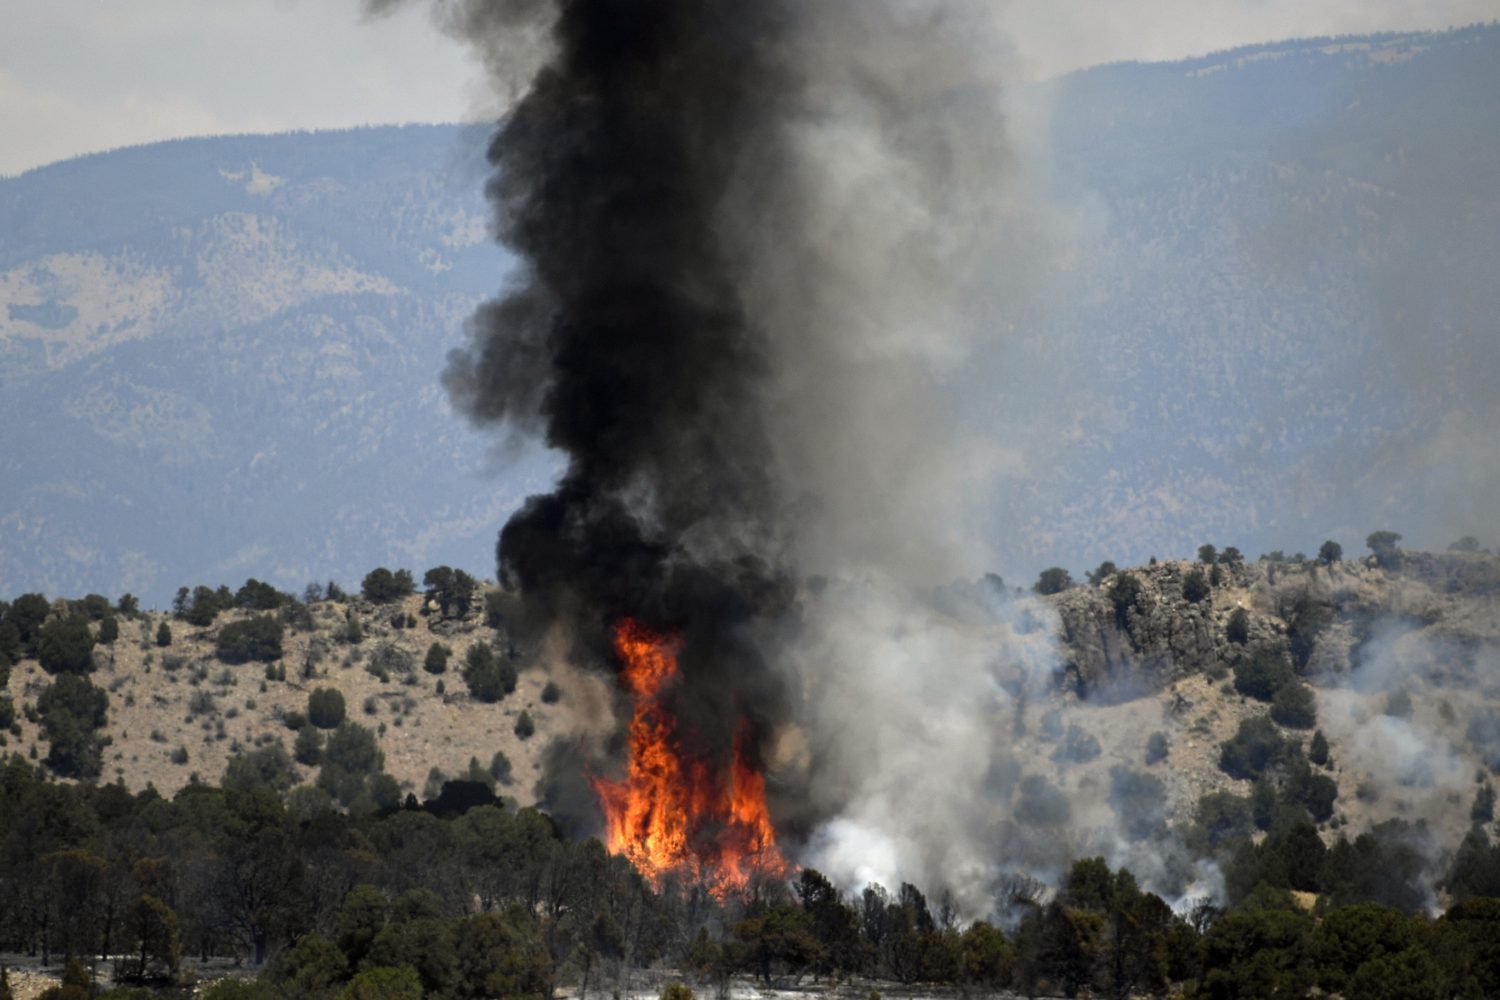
x,y
672,813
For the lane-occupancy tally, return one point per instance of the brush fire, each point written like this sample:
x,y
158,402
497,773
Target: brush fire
x,y
676,813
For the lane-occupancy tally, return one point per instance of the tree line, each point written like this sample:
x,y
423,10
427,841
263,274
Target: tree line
x,y
460,896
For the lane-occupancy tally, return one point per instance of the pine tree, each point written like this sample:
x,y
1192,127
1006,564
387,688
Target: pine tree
x,y
1317,752
1483,810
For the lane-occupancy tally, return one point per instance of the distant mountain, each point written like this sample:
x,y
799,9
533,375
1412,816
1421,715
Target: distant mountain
x,y
1274,316
220,356
1260,309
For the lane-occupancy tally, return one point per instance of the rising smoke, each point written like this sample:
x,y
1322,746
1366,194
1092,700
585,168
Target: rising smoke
x,y
748,232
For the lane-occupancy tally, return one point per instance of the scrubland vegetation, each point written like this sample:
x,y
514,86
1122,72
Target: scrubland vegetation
x,y
328,876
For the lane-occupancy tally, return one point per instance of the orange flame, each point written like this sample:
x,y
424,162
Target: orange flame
x,y
672,814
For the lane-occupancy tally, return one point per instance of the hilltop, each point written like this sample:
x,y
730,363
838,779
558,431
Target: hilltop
x,y
178,712
1395,663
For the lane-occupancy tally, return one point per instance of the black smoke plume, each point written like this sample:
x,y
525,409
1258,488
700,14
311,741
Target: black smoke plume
x,y
626,344
746,229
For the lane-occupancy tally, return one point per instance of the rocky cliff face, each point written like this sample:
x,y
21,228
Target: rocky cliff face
x,y
1327,618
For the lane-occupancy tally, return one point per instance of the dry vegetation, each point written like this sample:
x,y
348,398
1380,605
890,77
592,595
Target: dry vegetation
x,y
164,700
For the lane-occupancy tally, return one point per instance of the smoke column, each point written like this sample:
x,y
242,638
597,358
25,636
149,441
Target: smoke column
x,y
747,228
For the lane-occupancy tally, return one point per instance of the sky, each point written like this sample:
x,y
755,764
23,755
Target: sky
x,y
81,76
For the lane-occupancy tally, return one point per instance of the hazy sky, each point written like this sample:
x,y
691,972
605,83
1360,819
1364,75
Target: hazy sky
x,y
78,76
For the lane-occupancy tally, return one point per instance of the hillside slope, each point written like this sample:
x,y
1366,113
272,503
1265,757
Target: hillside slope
x,y
1400,665
1266,310
222,355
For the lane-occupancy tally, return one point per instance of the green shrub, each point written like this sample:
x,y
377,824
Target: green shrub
x,y
524,726
1386,549
1124,594
93,607
258,596
1237,630
266,768
1041,803
1053,580
1156,748
1317,751
164,634
478,775
1195,587
1079,746
325,708
256,638
1222,818
437,659
453,589
1262,675
1314,792
1294,706
71,712
384,983
1255,746
489,678
1483,809
385,792
382,586
308,747
1139,800
311,968
494,609
353,632
204,604
27,613
352,747
66,645
11,648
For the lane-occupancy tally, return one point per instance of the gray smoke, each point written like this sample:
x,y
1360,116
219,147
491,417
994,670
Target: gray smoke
x,y
754,234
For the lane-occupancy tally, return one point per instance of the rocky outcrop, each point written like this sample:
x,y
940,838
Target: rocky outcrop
x,y
1323,617
1160,635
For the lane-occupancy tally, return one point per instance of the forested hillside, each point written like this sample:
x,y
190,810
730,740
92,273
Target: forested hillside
x,y
1284,765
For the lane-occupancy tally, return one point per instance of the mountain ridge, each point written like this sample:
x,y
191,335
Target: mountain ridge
x,y
268,315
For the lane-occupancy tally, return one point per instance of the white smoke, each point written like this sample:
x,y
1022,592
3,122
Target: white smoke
x,y
909,709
